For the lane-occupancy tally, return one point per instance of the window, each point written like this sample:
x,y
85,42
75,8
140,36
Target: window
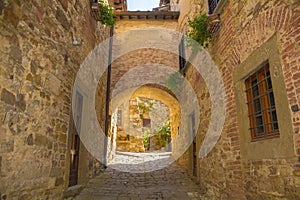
x,y
264,80
212,5
261,104
119,118
146,123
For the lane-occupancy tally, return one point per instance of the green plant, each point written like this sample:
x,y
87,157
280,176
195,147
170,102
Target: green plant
x,y
107,16
199,31
164,132
145,108
146,139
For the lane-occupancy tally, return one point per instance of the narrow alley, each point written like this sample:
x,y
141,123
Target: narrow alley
x,y
149,99
168,183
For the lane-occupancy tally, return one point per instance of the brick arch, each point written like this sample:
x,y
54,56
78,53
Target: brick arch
x,y
142,57
254,33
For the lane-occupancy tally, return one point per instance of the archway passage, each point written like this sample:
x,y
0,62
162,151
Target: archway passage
x,y
143,125
145,120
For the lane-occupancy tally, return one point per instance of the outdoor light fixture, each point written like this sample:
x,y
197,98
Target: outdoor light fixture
x,y
77,42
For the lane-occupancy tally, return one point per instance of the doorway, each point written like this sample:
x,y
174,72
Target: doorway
x,y
75,140
194,144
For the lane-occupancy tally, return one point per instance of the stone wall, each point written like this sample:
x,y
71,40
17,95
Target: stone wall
x,y
37,70
130,133
245,27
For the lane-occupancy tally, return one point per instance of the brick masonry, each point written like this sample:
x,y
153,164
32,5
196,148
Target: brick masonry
x,y
245,26
39,63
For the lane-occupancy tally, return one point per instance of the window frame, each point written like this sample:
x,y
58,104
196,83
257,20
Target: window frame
x,y
146,122
266,107
263,149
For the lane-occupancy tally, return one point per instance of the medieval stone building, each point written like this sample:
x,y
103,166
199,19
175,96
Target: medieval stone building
x,y
233,110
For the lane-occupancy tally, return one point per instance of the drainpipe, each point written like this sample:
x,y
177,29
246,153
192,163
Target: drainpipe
x,y
108,96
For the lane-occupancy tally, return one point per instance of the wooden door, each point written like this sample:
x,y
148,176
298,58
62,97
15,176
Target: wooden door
x,y
75,141
194,144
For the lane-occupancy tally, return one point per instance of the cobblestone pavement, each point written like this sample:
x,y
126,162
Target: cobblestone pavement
x,y
168,183
140,162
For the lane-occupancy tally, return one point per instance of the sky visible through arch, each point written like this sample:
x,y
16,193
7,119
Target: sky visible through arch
x,y
142,5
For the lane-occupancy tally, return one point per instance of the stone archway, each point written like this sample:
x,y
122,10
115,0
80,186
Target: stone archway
x,y
155,92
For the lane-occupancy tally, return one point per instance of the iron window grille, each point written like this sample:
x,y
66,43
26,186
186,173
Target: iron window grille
x,y
261,104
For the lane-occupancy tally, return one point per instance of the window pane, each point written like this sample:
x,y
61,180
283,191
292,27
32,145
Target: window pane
x,y
259,120
259,129
272,100
147,123
275,126
269,83
257,105
274,119
255,90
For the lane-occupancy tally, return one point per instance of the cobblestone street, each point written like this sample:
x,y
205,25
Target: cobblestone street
x,y
168,183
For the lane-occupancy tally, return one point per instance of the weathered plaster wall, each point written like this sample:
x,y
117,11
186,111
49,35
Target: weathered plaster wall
x,y
37,69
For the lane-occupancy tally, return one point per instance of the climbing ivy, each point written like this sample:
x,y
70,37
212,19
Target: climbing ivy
x,y
107,16
199,31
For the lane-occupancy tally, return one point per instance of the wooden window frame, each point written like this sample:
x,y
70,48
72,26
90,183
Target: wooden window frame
x,y
261,104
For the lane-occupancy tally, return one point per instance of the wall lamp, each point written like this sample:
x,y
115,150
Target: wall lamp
x,y
77,42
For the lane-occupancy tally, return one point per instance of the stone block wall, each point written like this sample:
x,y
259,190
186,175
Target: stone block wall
x,y
131,138
38,66
245,27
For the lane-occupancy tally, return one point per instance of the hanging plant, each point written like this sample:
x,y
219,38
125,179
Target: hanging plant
x,y
107,17
199,31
